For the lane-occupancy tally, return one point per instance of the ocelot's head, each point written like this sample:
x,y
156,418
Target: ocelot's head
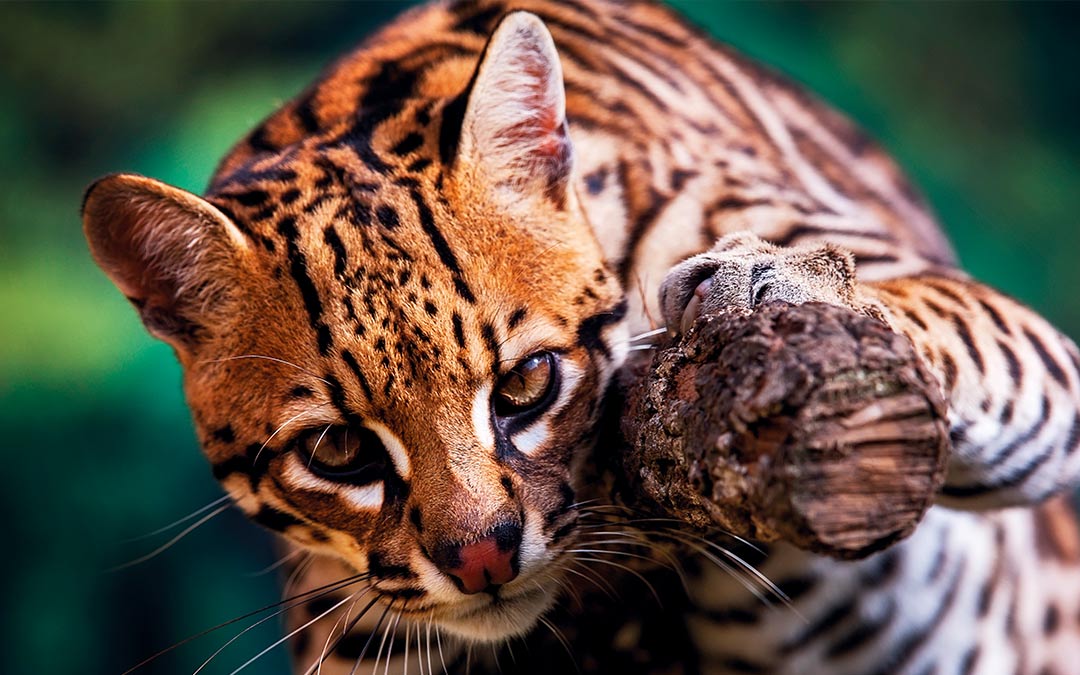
x,y
395,326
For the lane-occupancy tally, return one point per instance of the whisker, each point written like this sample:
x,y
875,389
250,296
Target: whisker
x,y
438,640
564,586
510,650
602,584
169,544
319,440
294,577
430,667
315,593
597,511
258,623
349,625
342,621
644,300
648,333
578,505
749,581
274,565
627,569
391,630
562,640
680,536
495,655
363,651
287,636
268,358
283,425
193,514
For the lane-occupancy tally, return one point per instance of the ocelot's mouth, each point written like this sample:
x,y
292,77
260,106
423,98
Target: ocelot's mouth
x,y
499,616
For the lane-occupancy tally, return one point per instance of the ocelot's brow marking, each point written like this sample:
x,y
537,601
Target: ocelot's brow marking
x,y
400,302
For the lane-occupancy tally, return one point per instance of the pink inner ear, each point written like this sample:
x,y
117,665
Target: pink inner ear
x,y
543,131
547,123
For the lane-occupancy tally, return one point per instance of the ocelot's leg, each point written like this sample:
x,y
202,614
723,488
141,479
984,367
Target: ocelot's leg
x,y
1011,380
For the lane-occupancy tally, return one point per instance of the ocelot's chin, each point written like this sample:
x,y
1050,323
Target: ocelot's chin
x,y
506,616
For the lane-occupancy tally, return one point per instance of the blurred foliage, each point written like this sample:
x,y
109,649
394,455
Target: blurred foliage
x,y
977,100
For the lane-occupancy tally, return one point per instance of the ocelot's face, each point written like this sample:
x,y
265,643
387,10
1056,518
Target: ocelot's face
x,y
395,333
426,423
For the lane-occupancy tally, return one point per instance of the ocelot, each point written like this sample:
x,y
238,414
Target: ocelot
x,y
402,297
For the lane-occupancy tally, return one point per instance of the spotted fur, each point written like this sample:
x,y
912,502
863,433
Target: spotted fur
x,y
475,185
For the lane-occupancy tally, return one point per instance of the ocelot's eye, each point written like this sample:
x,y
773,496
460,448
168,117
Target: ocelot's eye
x,y
527,387
344,453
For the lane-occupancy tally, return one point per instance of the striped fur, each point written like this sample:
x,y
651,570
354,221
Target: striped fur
x,y
469,188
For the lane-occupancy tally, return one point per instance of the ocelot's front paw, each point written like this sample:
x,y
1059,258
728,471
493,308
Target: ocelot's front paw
x,y
744,271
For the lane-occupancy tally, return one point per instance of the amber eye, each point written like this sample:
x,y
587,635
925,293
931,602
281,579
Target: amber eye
x,y
344,453
527,386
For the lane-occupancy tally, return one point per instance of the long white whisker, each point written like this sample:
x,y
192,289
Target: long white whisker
x,y
438,640
602,584
342,621
169,544
285,605
624,568
294,577
392,631
363,651
765,581
349,625
319,440
268,358
562,640
430,662
278,642
648,333
278,563
193,514
283,425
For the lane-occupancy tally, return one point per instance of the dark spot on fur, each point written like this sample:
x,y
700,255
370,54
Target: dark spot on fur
x,y
225,434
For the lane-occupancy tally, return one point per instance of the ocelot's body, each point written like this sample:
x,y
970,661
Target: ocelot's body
x,y
445,260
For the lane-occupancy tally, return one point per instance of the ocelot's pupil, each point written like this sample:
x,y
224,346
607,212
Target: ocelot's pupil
x,y
526,385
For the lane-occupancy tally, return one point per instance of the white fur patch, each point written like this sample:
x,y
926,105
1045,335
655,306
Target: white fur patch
x,y
366,497
533,549
298,477
395,448
532,438
481,418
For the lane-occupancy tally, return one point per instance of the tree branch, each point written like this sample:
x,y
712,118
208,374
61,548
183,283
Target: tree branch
x,y
810,424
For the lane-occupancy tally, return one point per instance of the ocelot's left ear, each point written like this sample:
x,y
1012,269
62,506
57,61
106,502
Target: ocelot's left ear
x,y
173,254
514,135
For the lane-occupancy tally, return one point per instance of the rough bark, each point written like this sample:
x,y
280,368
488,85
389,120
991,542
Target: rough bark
x,y
810,424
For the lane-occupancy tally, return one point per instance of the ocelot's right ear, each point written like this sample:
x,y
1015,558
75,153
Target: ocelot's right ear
x,y
173,254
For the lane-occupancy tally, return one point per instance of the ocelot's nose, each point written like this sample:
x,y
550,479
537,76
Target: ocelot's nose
x,y
482,565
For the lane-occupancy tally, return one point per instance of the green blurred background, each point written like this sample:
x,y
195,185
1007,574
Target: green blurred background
x,y
978,101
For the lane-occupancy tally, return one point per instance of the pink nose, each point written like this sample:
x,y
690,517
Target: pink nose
x,y
485,564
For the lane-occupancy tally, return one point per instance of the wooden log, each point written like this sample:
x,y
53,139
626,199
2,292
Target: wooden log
x,y
810,424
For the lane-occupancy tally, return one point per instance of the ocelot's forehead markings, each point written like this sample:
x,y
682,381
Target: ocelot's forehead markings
x,y
351,258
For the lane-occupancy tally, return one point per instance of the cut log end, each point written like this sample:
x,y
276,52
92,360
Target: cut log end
x,y
809,424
